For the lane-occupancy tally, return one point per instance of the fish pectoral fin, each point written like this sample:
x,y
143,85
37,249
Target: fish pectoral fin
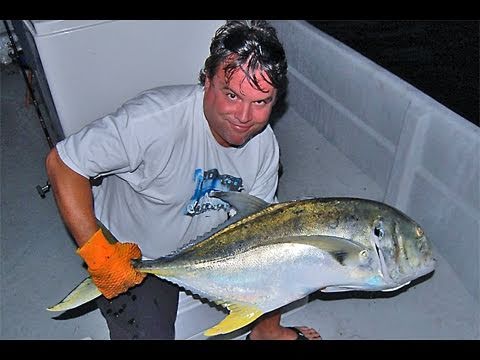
x,y
82,294
240,315
345,251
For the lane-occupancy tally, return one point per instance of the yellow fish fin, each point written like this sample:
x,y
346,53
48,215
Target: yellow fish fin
x,y
82,294
240,315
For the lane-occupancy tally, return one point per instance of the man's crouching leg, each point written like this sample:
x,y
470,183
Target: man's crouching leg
x,y
146,311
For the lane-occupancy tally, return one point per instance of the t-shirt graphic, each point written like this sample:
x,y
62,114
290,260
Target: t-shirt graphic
x,y
207,181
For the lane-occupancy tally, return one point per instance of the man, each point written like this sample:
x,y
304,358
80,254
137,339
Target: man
x,y
158,156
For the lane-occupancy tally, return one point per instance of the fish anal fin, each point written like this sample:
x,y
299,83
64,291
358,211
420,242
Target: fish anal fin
x,y
239,316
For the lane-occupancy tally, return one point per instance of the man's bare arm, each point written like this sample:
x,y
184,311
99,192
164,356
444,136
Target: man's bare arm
x,y
73,194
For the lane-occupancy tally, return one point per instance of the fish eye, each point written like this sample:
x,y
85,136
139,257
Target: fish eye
x,y
378,231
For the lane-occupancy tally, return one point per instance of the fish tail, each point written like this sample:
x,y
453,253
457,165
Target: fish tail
x,y
82,294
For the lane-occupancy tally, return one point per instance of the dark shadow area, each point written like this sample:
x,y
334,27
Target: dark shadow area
x,y
440,58
278,111
318,295
281,106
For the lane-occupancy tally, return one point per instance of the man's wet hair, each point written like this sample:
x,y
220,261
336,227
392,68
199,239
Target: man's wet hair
x,y
253,43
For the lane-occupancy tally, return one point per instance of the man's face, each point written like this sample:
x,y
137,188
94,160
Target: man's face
x,y
236,111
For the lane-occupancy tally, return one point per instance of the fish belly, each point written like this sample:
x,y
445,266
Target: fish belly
x,y
268,276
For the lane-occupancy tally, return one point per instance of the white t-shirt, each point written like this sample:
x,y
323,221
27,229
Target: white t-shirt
x,y
163,160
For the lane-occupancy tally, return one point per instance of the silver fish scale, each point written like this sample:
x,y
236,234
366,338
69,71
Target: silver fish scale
x,y
268,276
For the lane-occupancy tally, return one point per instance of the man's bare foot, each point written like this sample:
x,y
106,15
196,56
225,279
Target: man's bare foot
x,y
309,333
287,333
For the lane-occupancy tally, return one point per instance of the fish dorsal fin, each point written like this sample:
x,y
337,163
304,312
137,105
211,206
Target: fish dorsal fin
x,y
345,251
240,315
244,205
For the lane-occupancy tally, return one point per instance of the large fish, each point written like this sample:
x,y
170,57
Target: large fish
x,y
269,255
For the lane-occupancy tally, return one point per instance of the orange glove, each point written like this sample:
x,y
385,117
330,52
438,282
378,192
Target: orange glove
x,y
109,264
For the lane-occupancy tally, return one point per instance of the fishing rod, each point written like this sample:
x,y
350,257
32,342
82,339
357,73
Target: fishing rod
x,y
16,57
